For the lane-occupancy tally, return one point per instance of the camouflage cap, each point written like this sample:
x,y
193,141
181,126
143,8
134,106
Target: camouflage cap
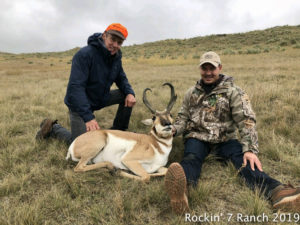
x,y
210,57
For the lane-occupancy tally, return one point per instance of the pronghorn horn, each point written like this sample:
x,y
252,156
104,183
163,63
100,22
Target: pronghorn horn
x,y
146,101
173,97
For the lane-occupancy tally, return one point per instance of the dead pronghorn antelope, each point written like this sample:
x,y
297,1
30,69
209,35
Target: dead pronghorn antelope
x,y
144,155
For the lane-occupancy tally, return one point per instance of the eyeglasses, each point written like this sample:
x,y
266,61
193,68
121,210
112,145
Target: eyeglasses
x,y
116,39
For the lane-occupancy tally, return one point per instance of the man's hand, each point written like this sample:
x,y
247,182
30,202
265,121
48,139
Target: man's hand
x,y
253,160
130,100
92,125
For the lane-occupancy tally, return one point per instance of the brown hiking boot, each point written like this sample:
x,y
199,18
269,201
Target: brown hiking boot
x,y
46,128
286,197
175,183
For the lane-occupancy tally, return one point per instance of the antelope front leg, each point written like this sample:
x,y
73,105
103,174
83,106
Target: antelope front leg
x,y
160,172
128,175
84,167
136,168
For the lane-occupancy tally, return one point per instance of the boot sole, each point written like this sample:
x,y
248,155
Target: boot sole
x,y
175,184
289,203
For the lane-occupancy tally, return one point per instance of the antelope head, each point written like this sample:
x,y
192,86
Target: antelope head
x,y
162,120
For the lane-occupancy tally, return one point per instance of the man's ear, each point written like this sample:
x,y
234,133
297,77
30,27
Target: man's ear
x,y
104,35
147,122
220,66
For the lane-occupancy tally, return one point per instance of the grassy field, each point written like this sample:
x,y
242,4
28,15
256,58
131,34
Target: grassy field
x,y
38,186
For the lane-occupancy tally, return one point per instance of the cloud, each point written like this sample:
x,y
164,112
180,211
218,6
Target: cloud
x,y
55,25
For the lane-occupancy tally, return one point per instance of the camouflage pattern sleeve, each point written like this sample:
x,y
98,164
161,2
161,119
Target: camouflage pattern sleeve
x,y
183,114
244,117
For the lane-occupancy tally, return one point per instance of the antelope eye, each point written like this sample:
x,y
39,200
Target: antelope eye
x,y
171,115
153,118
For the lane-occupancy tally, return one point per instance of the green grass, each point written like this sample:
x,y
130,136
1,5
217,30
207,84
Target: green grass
x,y
38,186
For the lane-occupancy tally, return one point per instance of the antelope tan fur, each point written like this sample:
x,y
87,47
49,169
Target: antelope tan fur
x,y
144,155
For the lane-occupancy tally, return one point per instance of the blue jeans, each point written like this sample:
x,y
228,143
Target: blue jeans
x,y
78,127
196,151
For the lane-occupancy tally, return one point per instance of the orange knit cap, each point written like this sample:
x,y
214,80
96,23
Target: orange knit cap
x,y
117,29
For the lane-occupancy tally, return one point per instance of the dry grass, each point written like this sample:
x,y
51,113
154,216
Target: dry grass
x,y
37,185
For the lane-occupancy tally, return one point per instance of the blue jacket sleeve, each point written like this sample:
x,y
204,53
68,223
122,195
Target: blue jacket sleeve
x,y
76,92
123,84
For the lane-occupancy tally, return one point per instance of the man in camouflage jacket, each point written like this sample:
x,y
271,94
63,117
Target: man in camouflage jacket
x,y
216,113
213,117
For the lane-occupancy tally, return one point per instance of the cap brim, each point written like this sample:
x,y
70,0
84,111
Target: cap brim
x,y
117,33
215,64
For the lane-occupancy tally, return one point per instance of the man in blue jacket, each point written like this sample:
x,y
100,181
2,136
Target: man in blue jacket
x,y
94,69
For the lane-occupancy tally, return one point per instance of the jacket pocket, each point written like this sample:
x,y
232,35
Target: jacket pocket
x,y
222,109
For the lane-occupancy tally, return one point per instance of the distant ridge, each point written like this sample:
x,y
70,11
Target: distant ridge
x,y
70,52
253,42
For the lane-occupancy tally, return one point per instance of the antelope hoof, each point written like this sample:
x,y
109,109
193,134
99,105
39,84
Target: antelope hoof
x,y
146,179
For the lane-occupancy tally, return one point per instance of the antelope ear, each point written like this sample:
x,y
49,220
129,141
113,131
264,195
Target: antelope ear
x,y
147,122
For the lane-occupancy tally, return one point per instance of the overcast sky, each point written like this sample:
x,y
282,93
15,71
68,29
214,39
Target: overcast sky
x,y
58,25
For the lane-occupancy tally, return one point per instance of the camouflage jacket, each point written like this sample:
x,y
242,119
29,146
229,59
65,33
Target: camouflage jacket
x,y
216,117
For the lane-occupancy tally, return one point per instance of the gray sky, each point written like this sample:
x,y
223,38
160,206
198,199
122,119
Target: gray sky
x,y
58,25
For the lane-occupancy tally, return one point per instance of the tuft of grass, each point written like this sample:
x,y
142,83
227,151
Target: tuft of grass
x,y
204,191
253,203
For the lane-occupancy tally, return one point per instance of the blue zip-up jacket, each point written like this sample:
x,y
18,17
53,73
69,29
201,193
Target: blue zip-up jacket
x,y
93,72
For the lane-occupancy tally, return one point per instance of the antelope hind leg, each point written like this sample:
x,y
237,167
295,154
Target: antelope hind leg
x,y
81,165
